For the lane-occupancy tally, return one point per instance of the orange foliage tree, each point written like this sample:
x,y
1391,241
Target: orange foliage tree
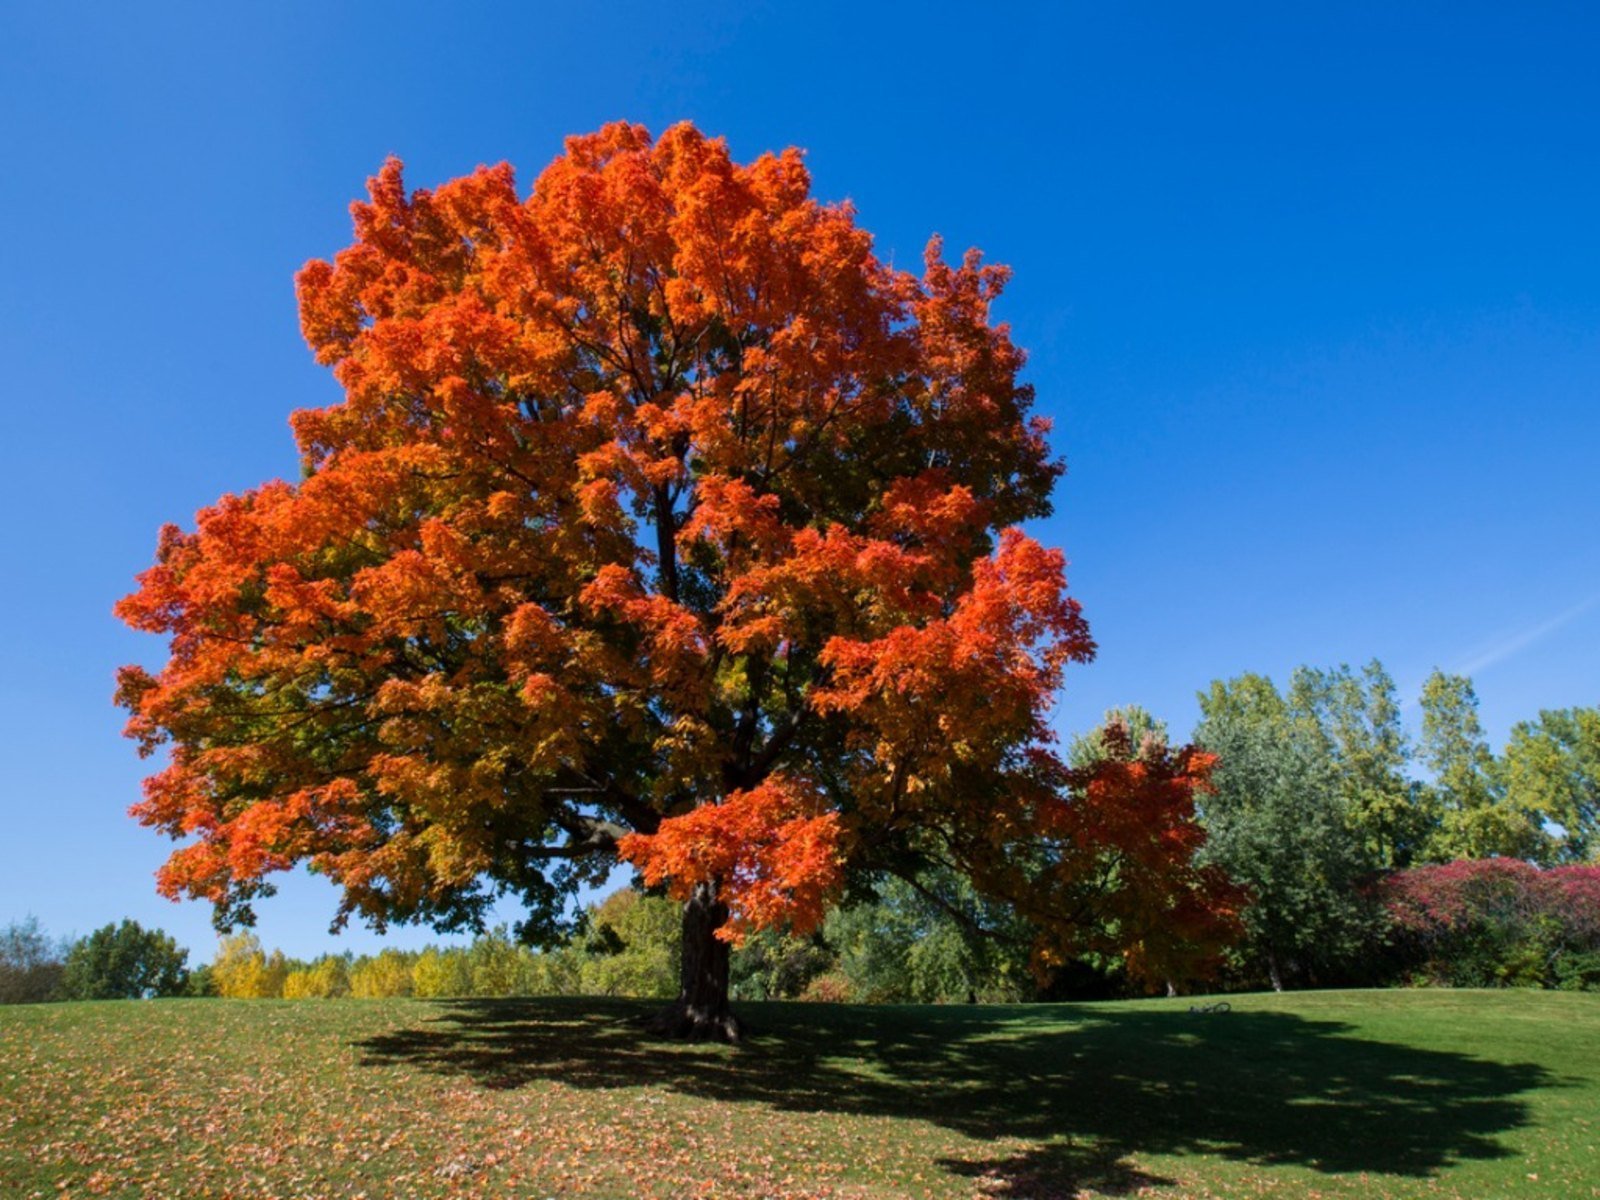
x,y
660,520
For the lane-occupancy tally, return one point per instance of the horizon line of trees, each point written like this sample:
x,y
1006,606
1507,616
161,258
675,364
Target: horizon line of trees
x,y
1469,923
1367,858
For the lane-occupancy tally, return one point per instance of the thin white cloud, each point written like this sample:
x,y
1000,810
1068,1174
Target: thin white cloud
x,y
1516,643
1497,652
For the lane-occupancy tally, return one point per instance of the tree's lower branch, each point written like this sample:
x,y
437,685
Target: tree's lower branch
x,y
589,835
965,919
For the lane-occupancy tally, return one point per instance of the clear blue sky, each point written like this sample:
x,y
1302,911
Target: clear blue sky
x,y
1314,297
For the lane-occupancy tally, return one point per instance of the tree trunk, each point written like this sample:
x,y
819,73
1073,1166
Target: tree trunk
x,y
701,1012
1273,971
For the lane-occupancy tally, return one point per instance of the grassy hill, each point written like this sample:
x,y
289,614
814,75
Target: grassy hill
x,y
1368,1094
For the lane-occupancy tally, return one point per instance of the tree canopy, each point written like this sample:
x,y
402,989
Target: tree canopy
x,y
659,519
1477,819
1279,823
1551,768
124,961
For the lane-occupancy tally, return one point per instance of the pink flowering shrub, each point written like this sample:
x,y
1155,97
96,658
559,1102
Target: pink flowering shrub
x,y
1496,922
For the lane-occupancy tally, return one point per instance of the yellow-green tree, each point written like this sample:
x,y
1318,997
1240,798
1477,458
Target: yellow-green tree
x,y
1477,818
500,967
438,973
1551,767
382,975
633,946
326,979
243,971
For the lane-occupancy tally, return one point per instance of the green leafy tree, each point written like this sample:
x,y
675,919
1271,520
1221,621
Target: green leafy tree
x,y
632,946
202,982
1478,819
777,964
873,939
930,940
501,966
1358,718
30,963
1551,767
557,971
1089,749
1278,825
124,962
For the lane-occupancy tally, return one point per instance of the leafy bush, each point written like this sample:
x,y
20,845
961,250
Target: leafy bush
x,y
1578,971
1495,922
557,972
832,988
775,965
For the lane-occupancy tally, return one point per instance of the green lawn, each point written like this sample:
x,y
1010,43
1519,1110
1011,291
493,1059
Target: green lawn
x,y
1368,1094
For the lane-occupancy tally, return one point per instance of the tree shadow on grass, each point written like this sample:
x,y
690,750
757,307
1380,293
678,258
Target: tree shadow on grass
x,y
1089,1087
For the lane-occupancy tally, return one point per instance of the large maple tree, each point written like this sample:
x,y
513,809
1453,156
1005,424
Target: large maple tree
x,y
660,521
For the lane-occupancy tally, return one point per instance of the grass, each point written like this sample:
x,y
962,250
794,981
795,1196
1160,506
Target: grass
x,y
1337,1094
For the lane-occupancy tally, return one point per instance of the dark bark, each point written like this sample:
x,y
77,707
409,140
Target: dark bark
x,y
666,542
701,1011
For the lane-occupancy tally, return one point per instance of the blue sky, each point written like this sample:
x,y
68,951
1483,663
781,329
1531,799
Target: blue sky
x,y
1313,293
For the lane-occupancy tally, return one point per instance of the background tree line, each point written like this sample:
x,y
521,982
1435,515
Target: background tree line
x,y
1366,858
1322,801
